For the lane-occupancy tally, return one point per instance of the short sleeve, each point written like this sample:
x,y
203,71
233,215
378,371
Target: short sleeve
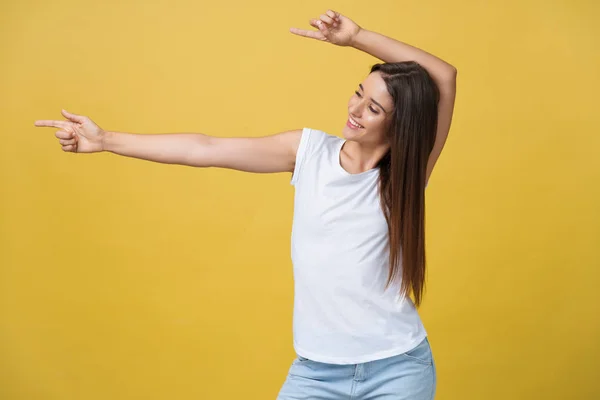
x,y
301,154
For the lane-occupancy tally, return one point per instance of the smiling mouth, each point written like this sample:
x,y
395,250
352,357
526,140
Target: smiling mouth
x,y
353,123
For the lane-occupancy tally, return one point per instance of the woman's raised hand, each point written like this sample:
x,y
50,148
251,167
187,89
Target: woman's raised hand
x,y
78,134
332,27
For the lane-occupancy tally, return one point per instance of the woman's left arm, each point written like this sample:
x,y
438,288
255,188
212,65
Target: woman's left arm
x,y
340,30
444,75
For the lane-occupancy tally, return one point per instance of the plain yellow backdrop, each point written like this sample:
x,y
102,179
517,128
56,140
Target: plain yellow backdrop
x,y
126,279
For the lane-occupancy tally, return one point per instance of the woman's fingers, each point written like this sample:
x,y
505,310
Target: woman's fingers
x,y
55,124
323,24
327,19
73,117
323,28
70,147
64,134
316,22
66,138
305,33
337,17
66,142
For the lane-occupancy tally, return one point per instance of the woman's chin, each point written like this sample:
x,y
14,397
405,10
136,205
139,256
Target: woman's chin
x,y
350,133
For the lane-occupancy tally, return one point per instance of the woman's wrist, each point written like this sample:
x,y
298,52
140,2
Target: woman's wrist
x,y
107,141
358,37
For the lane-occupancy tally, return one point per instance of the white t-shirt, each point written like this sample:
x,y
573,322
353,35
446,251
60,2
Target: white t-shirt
x,y
340,253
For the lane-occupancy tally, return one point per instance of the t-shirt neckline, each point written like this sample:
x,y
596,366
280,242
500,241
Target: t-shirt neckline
x,y
338,163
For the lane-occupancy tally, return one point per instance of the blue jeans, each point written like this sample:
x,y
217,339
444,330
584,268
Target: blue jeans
x,y
407,376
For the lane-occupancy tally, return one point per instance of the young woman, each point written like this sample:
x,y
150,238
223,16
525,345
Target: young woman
x,y
358,228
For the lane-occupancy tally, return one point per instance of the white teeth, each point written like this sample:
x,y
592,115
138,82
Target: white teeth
x,y
353,122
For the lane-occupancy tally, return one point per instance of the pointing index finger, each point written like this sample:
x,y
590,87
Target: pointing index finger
x,y
303,32
56,124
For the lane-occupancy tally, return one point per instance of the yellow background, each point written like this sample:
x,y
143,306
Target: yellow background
x,y
126,279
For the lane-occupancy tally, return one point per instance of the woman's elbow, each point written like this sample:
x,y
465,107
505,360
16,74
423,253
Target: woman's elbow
x,y
450,74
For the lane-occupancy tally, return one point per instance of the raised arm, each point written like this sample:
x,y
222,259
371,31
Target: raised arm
x,y
342,31
273,153
391,50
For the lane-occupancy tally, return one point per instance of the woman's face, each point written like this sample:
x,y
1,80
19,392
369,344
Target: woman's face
x,y
371,106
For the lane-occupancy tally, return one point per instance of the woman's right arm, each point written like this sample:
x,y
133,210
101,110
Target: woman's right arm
x,y
274,153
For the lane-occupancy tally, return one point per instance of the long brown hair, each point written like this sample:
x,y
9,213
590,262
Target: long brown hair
x,y
403,170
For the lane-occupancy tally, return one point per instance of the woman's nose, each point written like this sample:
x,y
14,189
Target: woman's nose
x,y
355,109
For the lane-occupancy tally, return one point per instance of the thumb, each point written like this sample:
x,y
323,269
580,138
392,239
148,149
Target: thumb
x,y
73,117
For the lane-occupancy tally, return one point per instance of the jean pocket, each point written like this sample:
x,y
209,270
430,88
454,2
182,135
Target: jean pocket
x,y
421,353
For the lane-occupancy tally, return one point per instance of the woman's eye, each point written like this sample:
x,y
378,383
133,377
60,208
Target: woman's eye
x,y
370,108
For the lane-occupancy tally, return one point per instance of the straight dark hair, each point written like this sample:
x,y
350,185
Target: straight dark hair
x,y
403,170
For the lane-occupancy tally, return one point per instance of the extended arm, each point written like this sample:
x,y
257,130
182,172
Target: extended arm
x,y
274,153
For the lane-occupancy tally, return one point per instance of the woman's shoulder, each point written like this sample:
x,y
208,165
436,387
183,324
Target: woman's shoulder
x,y
319,138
